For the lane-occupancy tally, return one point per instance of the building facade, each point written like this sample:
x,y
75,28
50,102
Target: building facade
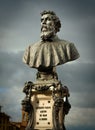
x,y
4,121
6,124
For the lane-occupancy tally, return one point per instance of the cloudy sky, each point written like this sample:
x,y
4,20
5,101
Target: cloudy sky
x,y
20,26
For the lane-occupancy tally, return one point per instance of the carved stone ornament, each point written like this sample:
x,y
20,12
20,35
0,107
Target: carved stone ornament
x,y
60,107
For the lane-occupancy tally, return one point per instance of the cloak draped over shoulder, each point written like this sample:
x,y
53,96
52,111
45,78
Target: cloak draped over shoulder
x,y
50,53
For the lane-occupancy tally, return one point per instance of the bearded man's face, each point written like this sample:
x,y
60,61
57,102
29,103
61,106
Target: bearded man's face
x,y
47,27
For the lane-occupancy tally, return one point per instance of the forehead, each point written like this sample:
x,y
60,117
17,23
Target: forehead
x,y
47,16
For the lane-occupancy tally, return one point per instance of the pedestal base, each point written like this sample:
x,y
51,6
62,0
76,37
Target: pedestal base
x,y
45,104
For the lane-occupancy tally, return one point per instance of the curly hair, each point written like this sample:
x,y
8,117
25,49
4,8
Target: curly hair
x,y
55,18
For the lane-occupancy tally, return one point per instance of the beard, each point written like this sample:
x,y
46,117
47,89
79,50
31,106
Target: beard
x,y
47,33
45,36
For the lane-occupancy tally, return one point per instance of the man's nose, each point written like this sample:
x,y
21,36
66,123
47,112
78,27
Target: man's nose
x,y
44,21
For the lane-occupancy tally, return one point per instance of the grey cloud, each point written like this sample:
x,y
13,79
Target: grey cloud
x,y
80,79
80,127
11,9
79,76
82,100
13,70
13,74
8,11
10,99
81,8
80,116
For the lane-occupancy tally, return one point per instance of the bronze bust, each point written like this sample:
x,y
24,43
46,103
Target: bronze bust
x,y
50,51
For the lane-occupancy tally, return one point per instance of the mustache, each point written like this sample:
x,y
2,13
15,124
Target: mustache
x,y
44,26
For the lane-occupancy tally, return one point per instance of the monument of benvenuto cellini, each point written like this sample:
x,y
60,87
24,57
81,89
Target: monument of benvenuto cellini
x,y
46,102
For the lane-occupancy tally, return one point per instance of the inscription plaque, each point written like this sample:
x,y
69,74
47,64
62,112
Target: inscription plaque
x,y
43,106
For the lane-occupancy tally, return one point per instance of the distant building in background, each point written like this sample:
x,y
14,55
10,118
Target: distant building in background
x,y
6,124
14,126
4,121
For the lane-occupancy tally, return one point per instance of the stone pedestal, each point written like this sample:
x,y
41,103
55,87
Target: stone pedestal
x,y
47,104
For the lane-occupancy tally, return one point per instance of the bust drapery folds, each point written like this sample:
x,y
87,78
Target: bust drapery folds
x,y
50,53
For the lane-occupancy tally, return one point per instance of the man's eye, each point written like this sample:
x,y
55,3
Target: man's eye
x,y
42,20
49,19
